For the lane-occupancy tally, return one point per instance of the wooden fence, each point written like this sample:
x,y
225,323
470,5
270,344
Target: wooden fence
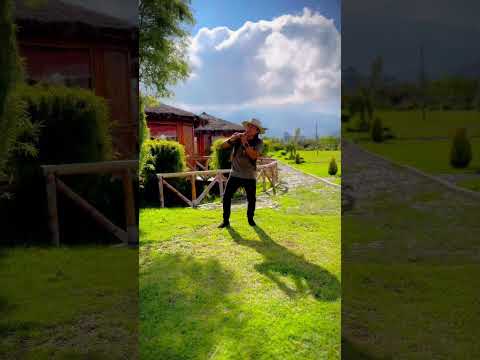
x,y
125,168
267,169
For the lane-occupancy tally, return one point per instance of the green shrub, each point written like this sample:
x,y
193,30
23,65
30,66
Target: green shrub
x,y
162,156
276,146
267,146
461,150
283,153
143,134
74,127
13,119
377,130
332,167
298,159
73,120
221,157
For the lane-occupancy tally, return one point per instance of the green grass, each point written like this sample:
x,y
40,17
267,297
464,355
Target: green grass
x,y
272,292
430,156
68,303
409,265
471,184
410,147
409,124
316,163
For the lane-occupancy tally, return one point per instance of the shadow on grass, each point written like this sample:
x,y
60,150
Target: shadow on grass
x,y
351,351
279,261
183,307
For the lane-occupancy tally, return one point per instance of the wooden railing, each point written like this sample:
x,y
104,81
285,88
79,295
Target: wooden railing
x,y
198,162
267,169
125,168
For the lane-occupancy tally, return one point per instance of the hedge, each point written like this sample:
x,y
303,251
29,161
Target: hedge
x,y
220,156
162,156
74,127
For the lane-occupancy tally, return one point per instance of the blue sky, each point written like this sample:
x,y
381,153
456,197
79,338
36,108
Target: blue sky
x,y
211,13
275,60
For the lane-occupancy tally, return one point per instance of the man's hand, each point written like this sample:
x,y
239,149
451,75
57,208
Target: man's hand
x,y
232,139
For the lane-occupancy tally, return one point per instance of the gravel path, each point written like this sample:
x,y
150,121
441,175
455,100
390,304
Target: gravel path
x,y
369,177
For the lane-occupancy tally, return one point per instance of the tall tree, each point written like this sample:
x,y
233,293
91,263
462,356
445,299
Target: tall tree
x,y
163,43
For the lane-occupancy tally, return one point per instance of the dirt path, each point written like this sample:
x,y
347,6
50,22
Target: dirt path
x,y
290,179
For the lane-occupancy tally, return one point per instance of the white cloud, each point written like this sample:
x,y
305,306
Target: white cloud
x,y
292,59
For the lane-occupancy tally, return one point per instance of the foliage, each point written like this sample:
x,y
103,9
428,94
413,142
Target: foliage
x,y
13,119
143,134
74,128
163,43
162,156
298,159
461,151
377,130
332,167
221,156
291,149
73,120
267,146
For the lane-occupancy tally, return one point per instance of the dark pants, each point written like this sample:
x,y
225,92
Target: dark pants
x,y
233,183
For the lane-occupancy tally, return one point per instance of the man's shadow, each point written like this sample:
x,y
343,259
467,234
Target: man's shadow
x,y
308,278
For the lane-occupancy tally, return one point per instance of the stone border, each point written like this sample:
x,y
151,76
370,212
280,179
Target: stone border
x,y
409,168
314,176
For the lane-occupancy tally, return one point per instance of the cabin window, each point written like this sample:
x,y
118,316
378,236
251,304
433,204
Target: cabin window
x,y
164,131
58,66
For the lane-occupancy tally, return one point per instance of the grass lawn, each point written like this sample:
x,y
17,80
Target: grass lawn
x,y
409,124
430,156
68,303
271,292
408,264
316,163
471,184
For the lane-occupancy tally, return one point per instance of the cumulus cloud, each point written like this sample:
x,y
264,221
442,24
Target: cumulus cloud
x,y
292,59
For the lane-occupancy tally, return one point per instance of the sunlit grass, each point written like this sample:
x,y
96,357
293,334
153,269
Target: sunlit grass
x,y
244,293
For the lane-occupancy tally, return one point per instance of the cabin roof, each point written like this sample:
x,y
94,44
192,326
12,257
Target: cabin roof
x,y
164,109
213,123
59,12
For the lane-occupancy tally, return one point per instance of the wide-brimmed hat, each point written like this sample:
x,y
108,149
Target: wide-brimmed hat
x,y
256,123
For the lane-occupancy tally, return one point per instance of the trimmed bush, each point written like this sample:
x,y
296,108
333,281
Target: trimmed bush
x,y
332,167
461,151
73,127
220,156
298,159
73,120
377,130
162,156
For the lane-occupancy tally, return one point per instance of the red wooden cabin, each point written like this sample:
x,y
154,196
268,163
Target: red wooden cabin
x,y
171,123
70,45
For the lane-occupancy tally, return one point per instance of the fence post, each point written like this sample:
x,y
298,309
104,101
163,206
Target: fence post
x,y
52,208
160,188
194,190
132,231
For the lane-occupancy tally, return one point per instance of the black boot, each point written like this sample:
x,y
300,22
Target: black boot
x,y
224,224
251,222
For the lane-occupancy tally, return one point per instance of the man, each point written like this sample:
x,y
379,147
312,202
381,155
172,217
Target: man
x,y
246,149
